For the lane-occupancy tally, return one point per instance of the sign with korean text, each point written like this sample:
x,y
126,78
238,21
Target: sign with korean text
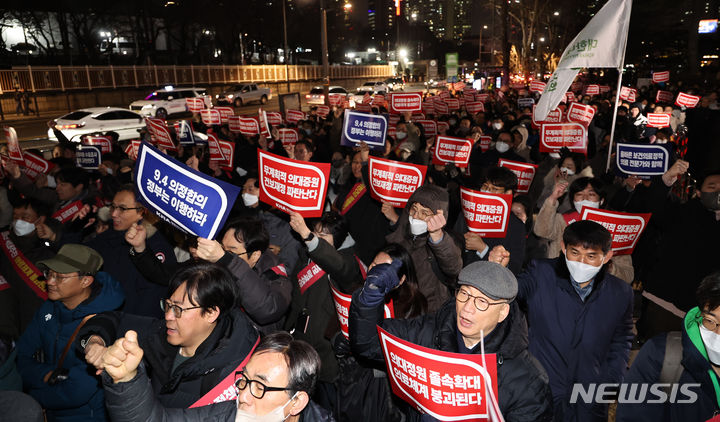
x,y
274,118
486,213
452,150
88,156
447,386
159,133
195,104
658,120
104,142
361,127
248,126
322,111
453,103
442,127
132,149
336,99
554,136
429,126
407,101
14,150
228,151
393,181
211,117
35,165
664,96
483,97
641,159
225,113
687,100
473,107
293,185
658,77
485,141
570,97
604,88
184,132
554,116
580,113
365,108
592,90
628,94
342,308
189,200
525,173
625,228
537,86
216,153
288,136
441,107
428,107
263,123
294,116
525,102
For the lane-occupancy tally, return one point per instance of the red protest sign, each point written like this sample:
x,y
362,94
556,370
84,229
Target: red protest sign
x,y
428,107
292,185
216,153
393,181
288,136
195,104
658,77
625,228
407,101
294,116
228,151
14,150
483,98
263,123
34,165
687,100
365,108
485,141
249,126
159,133
441,108
429,126
486,213
104,142
469,91
580,113
458,86
225,113
474,106
442,127
627,93
132,149
378,99
658,120
234,123
211,117
525,173
417,116
592,90
336,99
452,150
274,118
664,96
537,86
554,116
323,110
446,386
570,97
554,136
517,85
342,308
453,103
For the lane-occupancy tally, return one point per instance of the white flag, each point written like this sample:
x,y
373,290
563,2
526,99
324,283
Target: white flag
x,y
600,44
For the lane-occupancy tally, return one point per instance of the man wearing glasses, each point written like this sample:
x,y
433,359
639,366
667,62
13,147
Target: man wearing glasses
x,y
52,373
483,311
274,386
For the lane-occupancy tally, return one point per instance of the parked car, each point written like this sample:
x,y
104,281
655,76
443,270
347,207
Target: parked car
x,y
395,84
317,94
244,94
167,101
372,87
98,119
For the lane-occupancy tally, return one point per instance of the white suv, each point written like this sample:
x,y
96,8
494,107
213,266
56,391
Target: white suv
x,y
167,101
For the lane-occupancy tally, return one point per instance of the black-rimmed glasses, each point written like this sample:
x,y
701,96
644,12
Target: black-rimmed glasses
x,y
257,389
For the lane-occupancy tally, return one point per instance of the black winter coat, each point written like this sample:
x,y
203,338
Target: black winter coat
x,y
218,356
523,391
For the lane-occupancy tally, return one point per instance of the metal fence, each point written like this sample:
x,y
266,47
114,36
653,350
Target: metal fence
x,y
66,78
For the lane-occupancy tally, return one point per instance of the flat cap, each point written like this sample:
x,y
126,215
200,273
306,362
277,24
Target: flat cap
x,y
494,280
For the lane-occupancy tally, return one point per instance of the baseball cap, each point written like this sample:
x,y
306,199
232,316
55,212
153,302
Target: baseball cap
x,y
494,280
74,258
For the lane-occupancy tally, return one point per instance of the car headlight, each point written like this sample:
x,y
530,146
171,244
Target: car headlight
x,y
148,106
230,95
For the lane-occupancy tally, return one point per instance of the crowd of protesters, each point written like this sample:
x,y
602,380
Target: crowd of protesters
x,y
143,321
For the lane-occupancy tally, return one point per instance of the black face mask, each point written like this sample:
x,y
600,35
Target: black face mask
x,y
711,200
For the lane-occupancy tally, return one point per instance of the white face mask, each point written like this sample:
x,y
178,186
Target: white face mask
x,y
585,203
497,126
51,182
567,171
502,146
400,135
22,227
712,344
417,227
276,415
249,199
581,272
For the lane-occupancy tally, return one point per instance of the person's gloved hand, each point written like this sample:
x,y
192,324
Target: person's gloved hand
x,y
380,280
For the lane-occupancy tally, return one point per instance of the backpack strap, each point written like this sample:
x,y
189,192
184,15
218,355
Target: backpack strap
x,y
672,367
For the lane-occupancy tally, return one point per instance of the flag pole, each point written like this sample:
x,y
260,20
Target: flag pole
x,y
617,101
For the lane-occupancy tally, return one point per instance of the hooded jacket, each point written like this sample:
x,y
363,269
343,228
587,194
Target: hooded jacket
x,y
523,391
80,397
232,340
697,378
436,264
